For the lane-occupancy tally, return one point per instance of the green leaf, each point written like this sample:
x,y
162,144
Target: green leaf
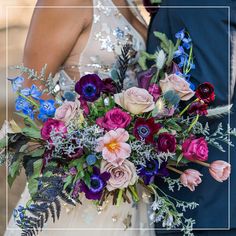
x,y
87,179
15,168
31,132
3,142
68,181
144,56
38,152
179,158
32,182
173,125
27,120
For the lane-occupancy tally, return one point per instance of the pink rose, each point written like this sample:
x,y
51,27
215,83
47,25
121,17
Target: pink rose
x,y
155,91
50,125
220,170
191,179
177,84
195,149
135,100
67,111
121,176
115,118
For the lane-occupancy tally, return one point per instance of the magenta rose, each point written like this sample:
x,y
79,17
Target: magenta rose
x,y
114,119
50,125
166,142
155,91
195,149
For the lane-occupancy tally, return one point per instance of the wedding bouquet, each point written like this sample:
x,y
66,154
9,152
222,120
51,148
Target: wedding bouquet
x,y
102,141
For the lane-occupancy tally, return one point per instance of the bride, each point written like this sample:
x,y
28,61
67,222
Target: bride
x,y
76,37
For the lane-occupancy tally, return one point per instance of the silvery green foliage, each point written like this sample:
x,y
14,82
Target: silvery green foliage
x,y
84,137
173,183
164,209
160,59
219,111
141,153
214,138
35,76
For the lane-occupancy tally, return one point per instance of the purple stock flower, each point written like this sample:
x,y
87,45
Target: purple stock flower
x,y
149,171
98,182
89,87
145,77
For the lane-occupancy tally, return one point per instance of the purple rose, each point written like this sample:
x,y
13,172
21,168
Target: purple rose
x,y
155,91
166,142
114,119
50,125
195,149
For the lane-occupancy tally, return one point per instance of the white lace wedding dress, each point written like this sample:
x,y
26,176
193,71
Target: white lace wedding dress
x,y
110,30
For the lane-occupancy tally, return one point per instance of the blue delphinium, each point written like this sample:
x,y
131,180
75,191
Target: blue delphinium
x,y
180,35
33,92
25,106
47,109
16,83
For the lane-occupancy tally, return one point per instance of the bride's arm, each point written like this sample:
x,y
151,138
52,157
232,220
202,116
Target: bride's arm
x,y
55,27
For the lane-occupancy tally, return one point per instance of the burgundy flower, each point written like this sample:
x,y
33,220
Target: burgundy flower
x,y
113,119
109,86
150,7
166,142
144,78
77,154
206,92
52,125
89,87
84,106
145,129
199,108
98,182
195,149
155,91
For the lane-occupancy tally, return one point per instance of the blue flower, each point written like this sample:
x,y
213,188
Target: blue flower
x,y
16,83
183,61
187,43
149,171
47,109
91,159
180,35
33,92
23,105
179,52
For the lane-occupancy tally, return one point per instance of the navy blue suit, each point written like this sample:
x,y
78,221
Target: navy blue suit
x,y
208,28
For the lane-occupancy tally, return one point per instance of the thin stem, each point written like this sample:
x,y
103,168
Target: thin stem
x,y
29,100
193,123
202,163
174,169
187,107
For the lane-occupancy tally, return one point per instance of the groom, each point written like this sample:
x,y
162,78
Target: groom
x,y
209,30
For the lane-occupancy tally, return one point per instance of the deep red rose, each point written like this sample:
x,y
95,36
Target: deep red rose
x,y
109,86
198,108
145,129
206,92
166,143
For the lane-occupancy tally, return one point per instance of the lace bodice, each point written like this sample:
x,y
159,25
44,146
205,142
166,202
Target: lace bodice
x,y
110,30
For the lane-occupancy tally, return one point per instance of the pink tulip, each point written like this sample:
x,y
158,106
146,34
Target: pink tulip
x,y
220,170
191,178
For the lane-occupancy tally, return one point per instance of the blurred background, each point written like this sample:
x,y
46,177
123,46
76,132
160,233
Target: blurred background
x,y
18,19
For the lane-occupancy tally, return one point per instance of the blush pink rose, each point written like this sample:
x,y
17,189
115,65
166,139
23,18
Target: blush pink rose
x,y
121,176
177,84
115,118
191,179
135,100
67,111
220,170
50,125
114,147
195,149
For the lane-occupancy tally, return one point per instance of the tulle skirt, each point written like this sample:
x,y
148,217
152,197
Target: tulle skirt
x,y
88,220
